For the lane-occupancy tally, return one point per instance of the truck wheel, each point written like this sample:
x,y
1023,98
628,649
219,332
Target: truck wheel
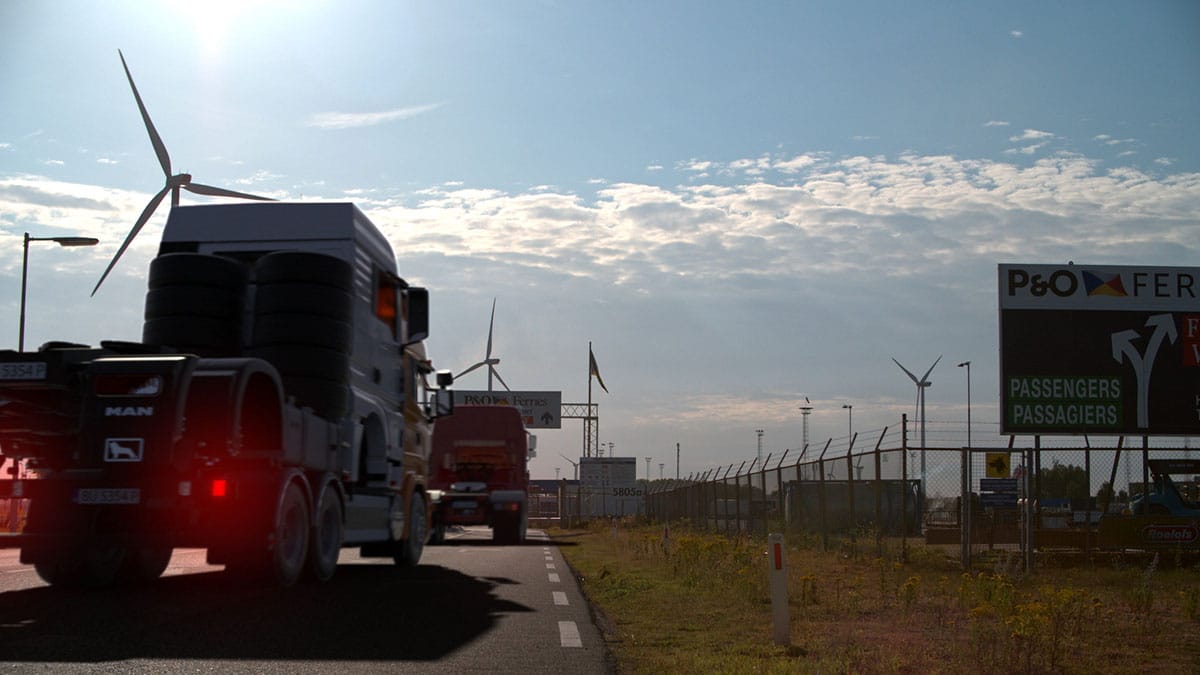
x,y
304,266
145,564
196,269
99,567
199,332
302,361
312,299
290,549
218,303
306,330
326,543
437,535
407,552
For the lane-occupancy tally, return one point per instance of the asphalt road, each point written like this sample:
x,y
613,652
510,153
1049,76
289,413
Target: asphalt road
x,y
469,607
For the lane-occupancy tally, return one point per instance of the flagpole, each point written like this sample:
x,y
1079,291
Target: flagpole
x,y
587,428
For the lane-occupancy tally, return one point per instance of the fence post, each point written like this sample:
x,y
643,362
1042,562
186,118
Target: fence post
x,y
779,603
821,496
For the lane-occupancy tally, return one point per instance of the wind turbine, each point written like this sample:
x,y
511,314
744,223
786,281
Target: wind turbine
x,y
174,183
922,385
488,361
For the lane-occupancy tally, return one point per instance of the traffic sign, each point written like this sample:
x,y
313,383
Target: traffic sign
x,y
539,409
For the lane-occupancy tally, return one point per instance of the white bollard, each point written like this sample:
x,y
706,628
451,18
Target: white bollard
x,y
777,571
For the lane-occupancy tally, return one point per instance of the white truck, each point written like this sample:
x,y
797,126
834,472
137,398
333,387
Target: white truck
x,y
275,411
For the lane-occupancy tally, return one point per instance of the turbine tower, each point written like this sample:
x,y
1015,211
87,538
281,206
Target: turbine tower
x,y
922,385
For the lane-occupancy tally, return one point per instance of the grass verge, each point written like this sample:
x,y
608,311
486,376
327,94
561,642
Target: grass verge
x,y
695,602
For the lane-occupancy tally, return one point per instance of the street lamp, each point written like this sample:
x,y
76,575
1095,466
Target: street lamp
x,y
966,480
967,365
850,423
62,241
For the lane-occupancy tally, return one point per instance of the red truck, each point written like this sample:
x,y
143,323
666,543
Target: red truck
x,y
479,473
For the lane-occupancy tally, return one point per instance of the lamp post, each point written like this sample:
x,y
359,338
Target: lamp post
x,y
61,241
966,479
967,365
850,422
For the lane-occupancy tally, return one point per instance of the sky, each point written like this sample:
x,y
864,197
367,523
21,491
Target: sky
x,y
741,206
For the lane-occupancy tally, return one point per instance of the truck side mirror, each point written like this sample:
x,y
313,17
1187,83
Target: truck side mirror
x,y
532,446
443,403
445,378
416,321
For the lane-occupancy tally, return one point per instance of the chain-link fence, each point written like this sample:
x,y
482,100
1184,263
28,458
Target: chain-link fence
x,y
1025,493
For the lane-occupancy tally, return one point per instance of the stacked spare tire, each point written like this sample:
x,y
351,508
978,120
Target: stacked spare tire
x,y
195,304
301,320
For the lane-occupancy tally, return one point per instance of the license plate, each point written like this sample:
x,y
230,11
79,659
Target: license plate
x,y
108,496
28,370
464,504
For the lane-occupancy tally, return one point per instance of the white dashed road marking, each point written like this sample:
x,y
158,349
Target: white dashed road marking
x,y
553,577
560,598
568,634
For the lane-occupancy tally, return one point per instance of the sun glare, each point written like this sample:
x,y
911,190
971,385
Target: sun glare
x,y
211,21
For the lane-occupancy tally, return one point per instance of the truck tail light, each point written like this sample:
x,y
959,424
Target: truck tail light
x,y
220,487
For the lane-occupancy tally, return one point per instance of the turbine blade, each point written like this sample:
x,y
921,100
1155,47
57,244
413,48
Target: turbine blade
x,y
491,323
481,363
495,372
925,378
221,192
141,222
914,377
160,149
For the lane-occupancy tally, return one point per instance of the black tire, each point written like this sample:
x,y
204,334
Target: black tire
x,y
306,362
197,269
509,528
289,555
437,532
306,267
205,334
325,543
304,298
206,301
145,564
302,330
86,567
407,552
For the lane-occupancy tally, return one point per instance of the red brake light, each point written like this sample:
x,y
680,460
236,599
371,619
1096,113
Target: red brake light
x,y
219,487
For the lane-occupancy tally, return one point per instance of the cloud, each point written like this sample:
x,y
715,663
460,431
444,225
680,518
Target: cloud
x,y
342,120
1031,135
995,123
1016,34
850,257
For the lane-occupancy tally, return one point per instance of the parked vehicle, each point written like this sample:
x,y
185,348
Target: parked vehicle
x,y
1164,497
480,472
274,412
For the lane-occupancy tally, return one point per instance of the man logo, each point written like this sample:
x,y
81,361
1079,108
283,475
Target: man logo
x,y
129,411
123,450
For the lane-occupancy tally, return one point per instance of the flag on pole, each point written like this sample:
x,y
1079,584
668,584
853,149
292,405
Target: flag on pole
x,y
595,370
